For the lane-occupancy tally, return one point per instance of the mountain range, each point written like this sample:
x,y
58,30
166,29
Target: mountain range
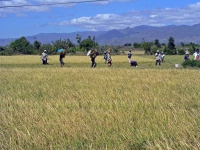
x,y
182,33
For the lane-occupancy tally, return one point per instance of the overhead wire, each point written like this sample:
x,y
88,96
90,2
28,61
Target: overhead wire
x,y
50,4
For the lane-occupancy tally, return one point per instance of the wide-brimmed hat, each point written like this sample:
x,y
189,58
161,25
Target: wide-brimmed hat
x,y
157,51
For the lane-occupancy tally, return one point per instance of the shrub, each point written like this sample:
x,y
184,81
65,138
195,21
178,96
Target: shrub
x,y
181,51
191,63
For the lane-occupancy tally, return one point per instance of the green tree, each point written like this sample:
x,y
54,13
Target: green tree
x,y
88,44
78,38
37,44
65,44
157,43
163,44
22,46
127,44
171,50
47,47
6,50
136,45
89,38
69,43
2,48
180,51
192,47
147,47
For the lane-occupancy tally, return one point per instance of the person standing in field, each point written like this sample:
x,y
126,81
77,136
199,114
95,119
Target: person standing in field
x,y
105,56
129,56
62,55
186,57
162,57
44,57
158,57
109,58
197,55
93,54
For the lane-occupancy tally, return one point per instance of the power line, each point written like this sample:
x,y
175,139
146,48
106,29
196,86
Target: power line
x,y
89,1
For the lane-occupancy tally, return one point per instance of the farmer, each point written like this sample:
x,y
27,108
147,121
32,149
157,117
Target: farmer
x,y
158,57
105,57
62,55
186,57
44,57
93,54
162,57
109,58
133,63
129,56
196,55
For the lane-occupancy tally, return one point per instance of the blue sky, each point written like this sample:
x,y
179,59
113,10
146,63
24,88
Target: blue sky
x,y
99,16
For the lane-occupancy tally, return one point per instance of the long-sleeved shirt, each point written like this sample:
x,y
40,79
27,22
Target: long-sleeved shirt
x,y
158,56
44,56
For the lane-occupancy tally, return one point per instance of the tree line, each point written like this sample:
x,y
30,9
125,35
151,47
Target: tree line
x,y
170,48
23,46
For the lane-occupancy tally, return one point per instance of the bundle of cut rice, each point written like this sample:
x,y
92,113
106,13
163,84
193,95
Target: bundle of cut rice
x,y
93,51
109,50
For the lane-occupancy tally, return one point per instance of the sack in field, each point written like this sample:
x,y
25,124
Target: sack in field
x,y
59,51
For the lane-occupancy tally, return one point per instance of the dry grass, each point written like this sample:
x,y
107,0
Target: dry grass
x,y
49,107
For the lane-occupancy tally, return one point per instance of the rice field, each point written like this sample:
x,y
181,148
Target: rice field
x,y
78,107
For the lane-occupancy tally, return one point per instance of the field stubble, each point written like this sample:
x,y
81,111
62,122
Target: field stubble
x,y
101,108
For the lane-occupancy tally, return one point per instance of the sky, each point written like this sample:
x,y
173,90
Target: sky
x,y
66,16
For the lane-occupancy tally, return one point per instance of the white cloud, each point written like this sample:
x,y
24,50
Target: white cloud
x,y
157,17
14,2
194,6
153,16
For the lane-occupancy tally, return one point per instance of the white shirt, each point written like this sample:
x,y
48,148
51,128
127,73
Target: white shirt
x,y
195,55
44,56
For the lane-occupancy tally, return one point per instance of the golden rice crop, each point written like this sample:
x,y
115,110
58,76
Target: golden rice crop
x,y
75,107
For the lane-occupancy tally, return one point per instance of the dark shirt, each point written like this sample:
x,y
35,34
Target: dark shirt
x,y
129,55
62,56
105,56
186,57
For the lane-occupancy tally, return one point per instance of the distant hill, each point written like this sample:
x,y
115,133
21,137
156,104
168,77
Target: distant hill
x,y
182,33
46,38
